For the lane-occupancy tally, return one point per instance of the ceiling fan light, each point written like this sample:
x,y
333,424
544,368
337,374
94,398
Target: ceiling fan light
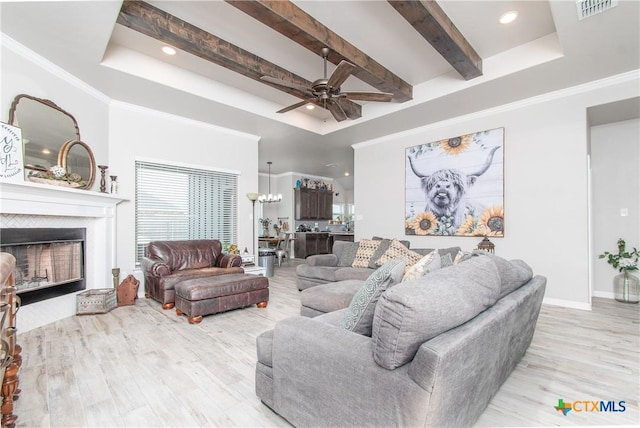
x,y
508,17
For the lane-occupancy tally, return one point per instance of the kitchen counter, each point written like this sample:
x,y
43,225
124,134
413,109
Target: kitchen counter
x,y
342,236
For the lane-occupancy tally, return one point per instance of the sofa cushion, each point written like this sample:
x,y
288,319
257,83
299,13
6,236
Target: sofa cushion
x,y
325,273
425,265
359,315
412,312
513,273
347,273
366,249
397,250
348,254
329,297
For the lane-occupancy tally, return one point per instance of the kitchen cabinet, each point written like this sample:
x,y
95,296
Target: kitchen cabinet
x,y
311,243
313,204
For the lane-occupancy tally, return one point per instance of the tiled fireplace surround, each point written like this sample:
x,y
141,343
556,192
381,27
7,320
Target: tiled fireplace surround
x,y
25,205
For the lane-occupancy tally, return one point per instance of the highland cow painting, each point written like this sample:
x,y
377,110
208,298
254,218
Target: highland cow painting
x,y
455,186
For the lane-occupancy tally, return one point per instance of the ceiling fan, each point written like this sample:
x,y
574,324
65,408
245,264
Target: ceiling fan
x,y
326,92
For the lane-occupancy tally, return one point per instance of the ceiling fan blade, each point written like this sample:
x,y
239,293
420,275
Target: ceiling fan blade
x,y
295,106
281,82
340,74
350,113
367,96
335,109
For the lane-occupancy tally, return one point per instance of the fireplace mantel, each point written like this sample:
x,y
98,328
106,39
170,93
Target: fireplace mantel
x,y
41,199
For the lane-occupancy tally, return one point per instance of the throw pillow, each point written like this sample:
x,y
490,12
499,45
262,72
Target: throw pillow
x,y
446,260
359,315
382,248
397,250
427,264
348,254
366,249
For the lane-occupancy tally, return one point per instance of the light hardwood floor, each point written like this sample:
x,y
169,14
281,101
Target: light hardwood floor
x,y
142,366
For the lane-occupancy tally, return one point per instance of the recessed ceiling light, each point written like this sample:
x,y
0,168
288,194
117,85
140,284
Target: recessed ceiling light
x,y
310,106
346,174
168,50
508,17
46,151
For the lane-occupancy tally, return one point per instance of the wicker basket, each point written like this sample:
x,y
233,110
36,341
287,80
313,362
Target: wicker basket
x,y
96,301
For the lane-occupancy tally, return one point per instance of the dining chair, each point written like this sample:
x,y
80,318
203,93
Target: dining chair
x,y
282,248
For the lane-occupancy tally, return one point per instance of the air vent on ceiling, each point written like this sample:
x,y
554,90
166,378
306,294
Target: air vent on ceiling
x,y
587,8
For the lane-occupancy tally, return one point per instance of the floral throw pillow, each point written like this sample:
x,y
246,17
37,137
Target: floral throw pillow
x,y
366,249
397,250
359,315
427,264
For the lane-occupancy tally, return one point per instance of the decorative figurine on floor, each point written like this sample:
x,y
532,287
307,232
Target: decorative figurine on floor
x,y
128,291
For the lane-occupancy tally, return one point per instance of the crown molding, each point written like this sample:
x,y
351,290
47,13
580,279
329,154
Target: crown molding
x,y
630,76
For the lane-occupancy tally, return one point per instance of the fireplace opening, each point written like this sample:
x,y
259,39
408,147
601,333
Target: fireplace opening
x,y
50,262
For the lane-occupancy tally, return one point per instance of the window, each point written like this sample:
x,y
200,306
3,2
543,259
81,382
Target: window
x,y
177,203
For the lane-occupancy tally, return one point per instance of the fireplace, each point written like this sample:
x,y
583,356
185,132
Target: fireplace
x,y
34,205
50,262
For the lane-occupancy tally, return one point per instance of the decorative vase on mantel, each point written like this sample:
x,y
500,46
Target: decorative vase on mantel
x,y
626,288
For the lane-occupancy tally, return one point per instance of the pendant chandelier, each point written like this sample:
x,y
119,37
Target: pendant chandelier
x,y
268,199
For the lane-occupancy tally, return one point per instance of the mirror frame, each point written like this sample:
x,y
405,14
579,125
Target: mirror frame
x,y
48,103
64,153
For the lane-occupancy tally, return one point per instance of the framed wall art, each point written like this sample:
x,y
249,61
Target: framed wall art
x,y
455,186
11,155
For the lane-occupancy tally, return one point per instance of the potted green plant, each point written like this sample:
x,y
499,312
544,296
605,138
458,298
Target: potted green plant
x,y
625,285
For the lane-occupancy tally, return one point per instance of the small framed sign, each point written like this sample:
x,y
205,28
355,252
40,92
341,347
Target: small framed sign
x,y
11,155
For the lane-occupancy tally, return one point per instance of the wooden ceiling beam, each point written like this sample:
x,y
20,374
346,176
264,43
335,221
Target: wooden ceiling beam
x,y
160,25
428,18
294,23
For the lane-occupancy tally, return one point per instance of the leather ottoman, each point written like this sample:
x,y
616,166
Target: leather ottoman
x,y
206,296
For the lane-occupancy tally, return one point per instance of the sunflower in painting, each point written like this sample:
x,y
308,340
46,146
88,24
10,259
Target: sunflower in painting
x,y
467,227
492,220
424,223
456,145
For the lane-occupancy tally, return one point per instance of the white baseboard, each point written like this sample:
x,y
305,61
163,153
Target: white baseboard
x,y
603,294
567,304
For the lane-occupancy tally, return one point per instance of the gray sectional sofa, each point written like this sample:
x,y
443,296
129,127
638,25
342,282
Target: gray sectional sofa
x,y
337,266
440,348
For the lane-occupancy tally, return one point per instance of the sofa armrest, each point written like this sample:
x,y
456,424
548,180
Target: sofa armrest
x,y
154,267
229,260
330,260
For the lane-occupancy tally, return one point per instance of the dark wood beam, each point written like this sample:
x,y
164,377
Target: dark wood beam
x,y
294,23
160,25
428,18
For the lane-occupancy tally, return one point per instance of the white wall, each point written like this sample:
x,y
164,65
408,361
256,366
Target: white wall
x,y
24,72
137,133
615,178
119,133
546,209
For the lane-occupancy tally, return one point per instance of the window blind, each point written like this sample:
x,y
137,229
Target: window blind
x,y
178,203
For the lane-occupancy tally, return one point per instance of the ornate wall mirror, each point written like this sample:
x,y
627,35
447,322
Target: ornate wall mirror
x,y
46,128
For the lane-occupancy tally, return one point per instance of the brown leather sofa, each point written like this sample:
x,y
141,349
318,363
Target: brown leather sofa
x,y
167,263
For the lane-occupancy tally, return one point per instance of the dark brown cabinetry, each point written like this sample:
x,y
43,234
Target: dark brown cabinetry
x,y
311,243
313,204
